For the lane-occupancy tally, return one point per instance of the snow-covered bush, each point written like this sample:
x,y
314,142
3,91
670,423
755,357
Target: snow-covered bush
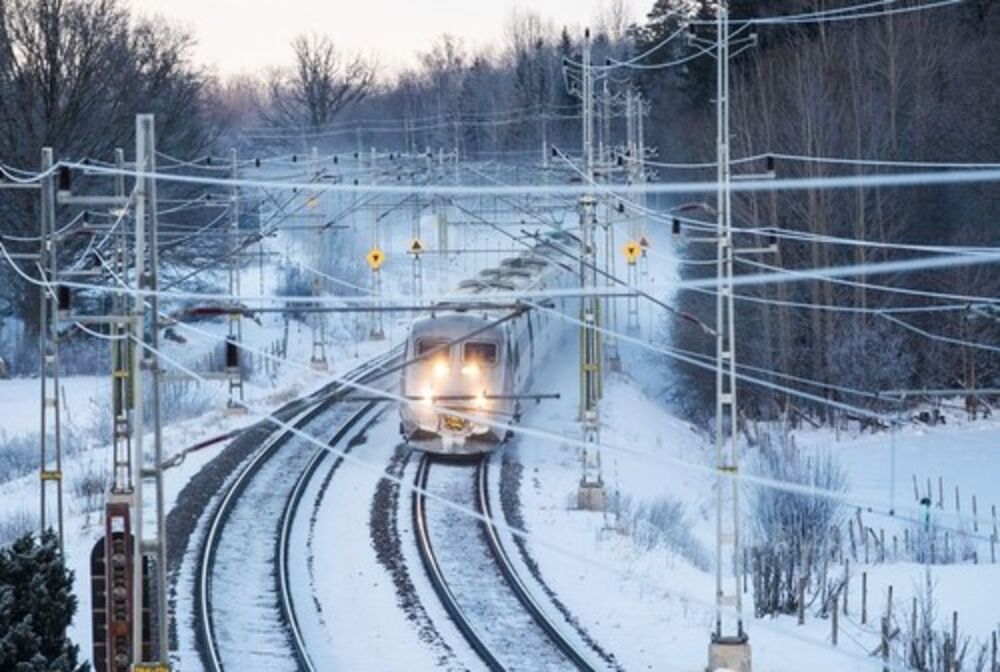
x,y
661,523
790,531
19,453
89,486
926,648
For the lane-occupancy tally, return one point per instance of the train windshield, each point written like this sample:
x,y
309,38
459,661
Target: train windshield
x,y
480,352
433,345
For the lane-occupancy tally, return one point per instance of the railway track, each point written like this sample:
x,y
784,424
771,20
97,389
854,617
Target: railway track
x,y
475,580
249,629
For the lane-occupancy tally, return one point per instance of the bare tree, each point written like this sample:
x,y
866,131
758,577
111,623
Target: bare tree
x,y
322,83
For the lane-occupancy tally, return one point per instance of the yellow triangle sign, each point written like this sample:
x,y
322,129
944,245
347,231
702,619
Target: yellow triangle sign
x,y
375,258
632,250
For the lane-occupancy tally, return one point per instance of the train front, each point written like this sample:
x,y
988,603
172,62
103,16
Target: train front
x,y
448,391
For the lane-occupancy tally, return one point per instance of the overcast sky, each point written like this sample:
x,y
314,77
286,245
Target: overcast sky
x,y
247,35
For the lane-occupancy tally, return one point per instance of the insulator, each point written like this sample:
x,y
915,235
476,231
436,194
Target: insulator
x,y
335,161
621,207
621,160
208,160
355,155
770,163
64,180
232,355
773,239
64,298
554,152
295,158
256,162
355,180
86,216
676,226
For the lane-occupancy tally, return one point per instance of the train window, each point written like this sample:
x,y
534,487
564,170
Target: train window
x,y
480,351
426,345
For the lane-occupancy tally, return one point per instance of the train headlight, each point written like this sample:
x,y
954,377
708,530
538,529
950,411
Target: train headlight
x,y
441,369
471,370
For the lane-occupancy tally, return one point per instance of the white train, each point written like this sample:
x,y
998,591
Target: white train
x,y
481,376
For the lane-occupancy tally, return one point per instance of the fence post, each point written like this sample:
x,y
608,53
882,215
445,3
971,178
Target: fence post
x,y
847,584
886,625
954,640
993,664
940,492
864,597
958,501
881,545
975,515
916,492
802,600
834,621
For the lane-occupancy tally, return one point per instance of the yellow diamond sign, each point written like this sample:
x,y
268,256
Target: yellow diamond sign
x,y
375,258
632,250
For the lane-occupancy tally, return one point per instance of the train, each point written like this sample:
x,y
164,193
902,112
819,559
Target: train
x,y
480,377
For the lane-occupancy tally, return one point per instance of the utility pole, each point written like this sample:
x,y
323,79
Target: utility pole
x,y
611,346
591,494
318,359
48,348
377,331
235,337
729,647
631,149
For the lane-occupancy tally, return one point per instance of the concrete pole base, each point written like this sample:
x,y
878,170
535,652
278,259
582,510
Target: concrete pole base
x,y
319,365
730,654
592,497
235,409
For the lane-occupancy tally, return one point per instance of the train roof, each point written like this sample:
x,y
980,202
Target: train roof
x,y
521,272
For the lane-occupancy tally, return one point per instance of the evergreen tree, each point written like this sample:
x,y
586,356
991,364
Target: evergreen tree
x,y
36,606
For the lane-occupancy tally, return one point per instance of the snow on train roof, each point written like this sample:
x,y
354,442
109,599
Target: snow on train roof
x,y
518,273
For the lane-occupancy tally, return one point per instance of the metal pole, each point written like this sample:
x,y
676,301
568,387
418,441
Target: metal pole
x,y
157,546
235,319
48,343
136,351
591,494
726,408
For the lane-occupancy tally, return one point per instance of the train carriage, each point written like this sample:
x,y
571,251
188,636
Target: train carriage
x,y
480,377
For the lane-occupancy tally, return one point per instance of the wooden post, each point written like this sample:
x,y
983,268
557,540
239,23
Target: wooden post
x,y
744,570
881,545
940,492
833,621
946,556
913,619
916,492
953,664
886,626
993,549
993,655
975,515
994,508
802,600
906,540
958,501
847,584
895,548
864,597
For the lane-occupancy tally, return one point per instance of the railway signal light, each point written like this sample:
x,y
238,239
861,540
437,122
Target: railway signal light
x,y
63,179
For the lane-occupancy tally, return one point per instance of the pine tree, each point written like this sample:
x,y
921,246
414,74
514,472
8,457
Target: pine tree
x,y
36,606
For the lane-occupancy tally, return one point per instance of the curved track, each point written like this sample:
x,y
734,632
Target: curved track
x,y
265,495
473,577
